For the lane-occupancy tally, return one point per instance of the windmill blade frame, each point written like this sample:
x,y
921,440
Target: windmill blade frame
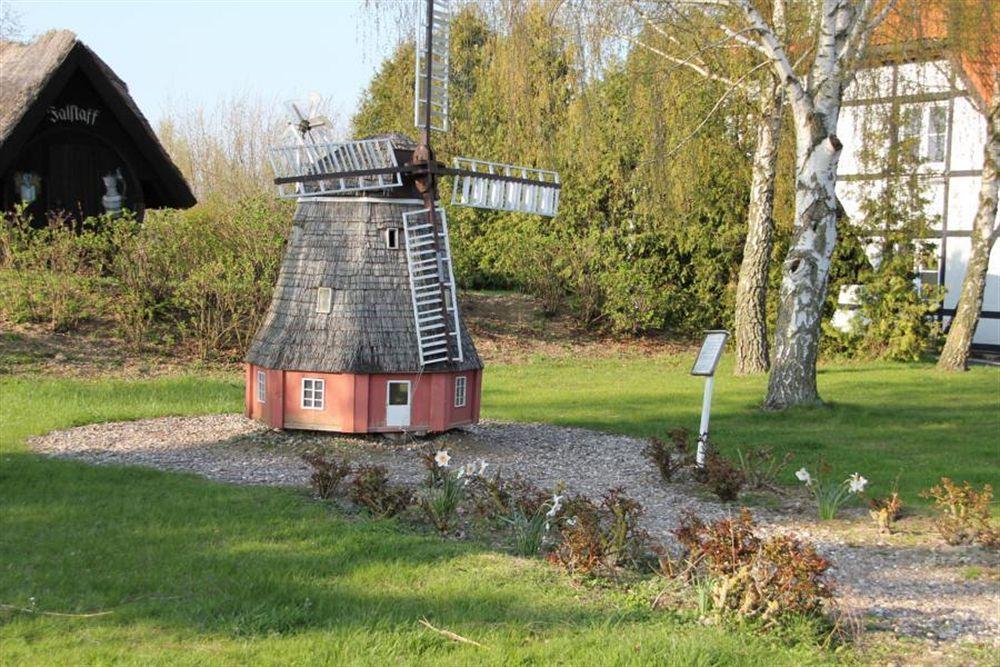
x,y
504,187
333,168
430,86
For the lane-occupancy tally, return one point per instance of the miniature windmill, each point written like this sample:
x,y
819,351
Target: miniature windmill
x,y
402,180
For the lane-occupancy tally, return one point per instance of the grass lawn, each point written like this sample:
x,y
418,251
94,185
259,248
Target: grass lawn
x,y
196,572
882,420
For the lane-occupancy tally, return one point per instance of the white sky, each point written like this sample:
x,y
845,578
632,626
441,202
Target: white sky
x,y
181,53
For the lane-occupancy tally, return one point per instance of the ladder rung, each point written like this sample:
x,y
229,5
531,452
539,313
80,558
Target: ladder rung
x,y
434,337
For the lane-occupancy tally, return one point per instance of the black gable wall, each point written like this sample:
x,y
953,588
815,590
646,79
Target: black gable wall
x,y
75,141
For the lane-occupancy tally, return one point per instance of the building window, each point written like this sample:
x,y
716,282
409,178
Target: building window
x,y
392,238
928,266
924,131
324,299
460,391
261,387
936,133
312,393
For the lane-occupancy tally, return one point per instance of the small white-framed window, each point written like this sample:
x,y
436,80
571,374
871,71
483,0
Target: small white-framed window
x,y
324,299
261,387
461,385
392,238
924,131
313,390
936,133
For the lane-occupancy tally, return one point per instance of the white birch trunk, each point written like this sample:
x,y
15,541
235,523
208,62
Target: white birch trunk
x,y
750,318
807,264
955,355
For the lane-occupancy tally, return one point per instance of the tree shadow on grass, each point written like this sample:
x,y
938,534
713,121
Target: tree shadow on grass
x,y
187,553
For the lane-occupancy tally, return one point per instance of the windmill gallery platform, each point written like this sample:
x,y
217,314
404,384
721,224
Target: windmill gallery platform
x,y
335,351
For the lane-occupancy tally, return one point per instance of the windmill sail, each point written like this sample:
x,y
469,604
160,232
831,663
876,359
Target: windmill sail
x,y
312,169
437,96
505,187
432,286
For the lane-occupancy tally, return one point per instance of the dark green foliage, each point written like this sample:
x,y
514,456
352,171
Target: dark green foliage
x,y
327,473
370,488
762,467
648,238
722,477
669,455
201,277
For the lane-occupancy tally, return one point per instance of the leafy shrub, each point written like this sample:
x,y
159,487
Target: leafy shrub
x,y
885,511
600,538
205,274
327,474
722,477
668,455
54,275
497,499
761,466
370,488
830,496
751,577
963,513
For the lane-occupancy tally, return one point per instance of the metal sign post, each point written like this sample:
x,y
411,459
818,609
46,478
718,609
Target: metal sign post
x,y
704,365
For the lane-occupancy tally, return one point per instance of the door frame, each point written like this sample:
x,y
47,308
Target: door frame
x,y
409,402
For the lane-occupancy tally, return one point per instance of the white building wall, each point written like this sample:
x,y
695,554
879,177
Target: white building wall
x,y
952,183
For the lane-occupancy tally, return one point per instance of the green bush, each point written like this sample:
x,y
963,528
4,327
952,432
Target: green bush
x,y
201,277
54,274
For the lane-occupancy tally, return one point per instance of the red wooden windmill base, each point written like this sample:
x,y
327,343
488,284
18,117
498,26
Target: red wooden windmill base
x,y
363,403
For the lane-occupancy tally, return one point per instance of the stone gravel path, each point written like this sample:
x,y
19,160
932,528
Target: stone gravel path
x,y
917,587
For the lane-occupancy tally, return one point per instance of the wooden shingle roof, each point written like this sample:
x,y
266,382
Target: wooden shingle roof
x,y
340,244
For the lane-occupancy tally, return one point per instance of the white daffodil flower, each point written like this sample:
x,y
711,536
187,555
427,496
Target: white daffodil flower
x,y
804,476
482,467
857,483
442,458
556,506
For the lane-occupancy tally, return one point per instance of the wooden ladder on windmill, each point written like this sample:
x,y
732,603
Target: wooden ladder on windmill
x,y
432,286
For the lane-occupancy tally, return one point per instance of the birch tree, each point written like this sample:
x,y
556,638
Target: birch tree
x,y
765,94
985,231
841,30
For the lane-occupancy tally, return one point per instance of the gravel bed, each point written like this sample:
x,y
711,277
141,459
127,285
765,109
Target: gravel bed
x,y
921,588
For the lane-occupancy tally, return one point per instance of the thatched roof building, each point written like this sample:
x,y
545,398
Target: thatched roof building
x,y
67,122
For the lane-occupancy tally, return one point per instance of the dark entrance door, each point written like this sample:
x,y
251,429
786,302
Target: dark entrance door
x,y
77,170
72,167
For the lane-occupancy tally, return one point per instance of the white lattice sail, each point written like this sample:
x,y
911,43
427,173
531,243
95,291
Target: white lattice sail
x,y
437,97
479,190
314,159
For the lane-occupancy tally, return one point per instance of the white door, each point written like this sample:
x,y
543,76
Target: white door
x,y
397,404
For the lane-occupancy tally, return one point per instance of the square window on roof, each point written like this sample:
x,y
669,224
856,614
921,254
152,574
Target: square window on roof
x,y
324,299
